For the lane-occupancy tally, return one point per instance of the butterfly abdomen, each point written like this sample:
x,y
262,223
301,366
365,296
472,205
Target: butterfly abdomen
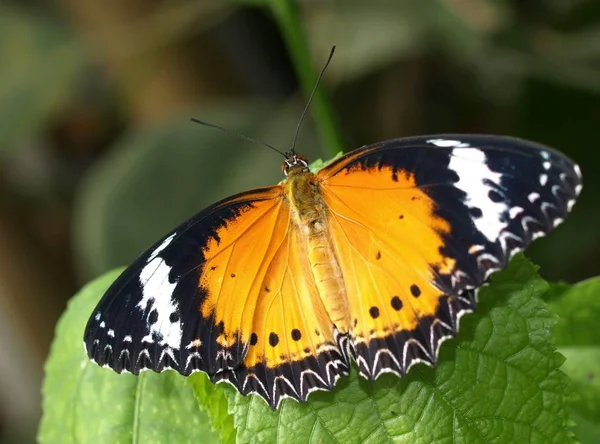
x,y
309,213
328,278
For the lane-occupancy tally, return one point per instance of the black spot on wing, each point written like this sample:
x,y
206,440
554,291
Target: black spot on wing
x,y
273,339
476,212
415,290
396,303
296,334
374,312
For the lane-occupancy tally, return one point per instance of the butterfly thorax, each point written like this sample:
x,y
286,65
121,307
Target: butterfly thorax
x,y
309,216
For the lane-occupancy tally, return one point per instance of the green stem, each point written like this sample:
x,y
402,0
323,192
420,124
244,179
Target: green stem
x,y
286,12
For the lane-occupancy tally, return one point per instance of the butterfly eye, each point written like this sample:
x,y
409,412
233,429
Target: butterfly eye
x,y
300,160
294,161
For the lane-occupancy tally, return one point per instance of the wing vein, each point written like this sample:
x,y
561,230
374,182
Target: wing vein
x,y
262,263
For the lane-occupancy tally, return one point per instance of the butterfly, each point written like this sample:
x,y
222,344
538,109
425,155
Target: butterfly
x,y
372,259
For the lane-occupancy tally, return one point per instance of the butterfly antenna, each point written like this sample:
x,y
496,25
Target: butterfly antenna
x,y
238,135
312,94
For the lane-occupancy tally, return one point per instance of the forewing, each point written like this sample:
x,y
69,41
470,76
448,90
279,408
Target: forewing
x,y
419,223
152,317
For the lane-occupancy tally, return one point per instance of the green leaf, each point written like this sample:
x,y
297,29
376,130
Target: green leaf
x,y
577,336
583,366
212,399
587,432
84,403
579,310
320,163
498,382
557,289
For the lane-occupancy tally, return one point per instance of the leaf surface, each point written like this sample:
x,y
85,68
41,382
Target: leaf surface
x,y
84,403
578,339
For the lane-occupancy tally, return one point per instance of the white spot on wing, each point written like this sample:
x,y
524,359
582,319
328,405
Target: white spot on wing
x,y
476,249
555,190
537,234
157,294
543,179
161,247
196,343
514,212
473,173
147,339
446,143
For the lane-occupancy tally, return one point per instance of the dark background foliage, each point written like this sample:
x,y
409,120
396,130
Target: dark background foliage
x,y
98,157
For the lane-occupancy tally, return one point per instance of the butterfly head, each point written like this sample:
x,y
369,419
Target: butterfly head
x,y
293,161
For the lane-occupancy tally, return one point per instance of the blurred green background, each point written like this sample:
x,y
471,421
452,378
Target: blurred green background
x,y
98,157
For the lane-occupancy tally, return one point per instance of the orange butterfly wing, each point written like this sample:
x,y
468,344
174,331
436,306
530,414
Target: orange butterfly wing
x,y
419,223
152,316
262,292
